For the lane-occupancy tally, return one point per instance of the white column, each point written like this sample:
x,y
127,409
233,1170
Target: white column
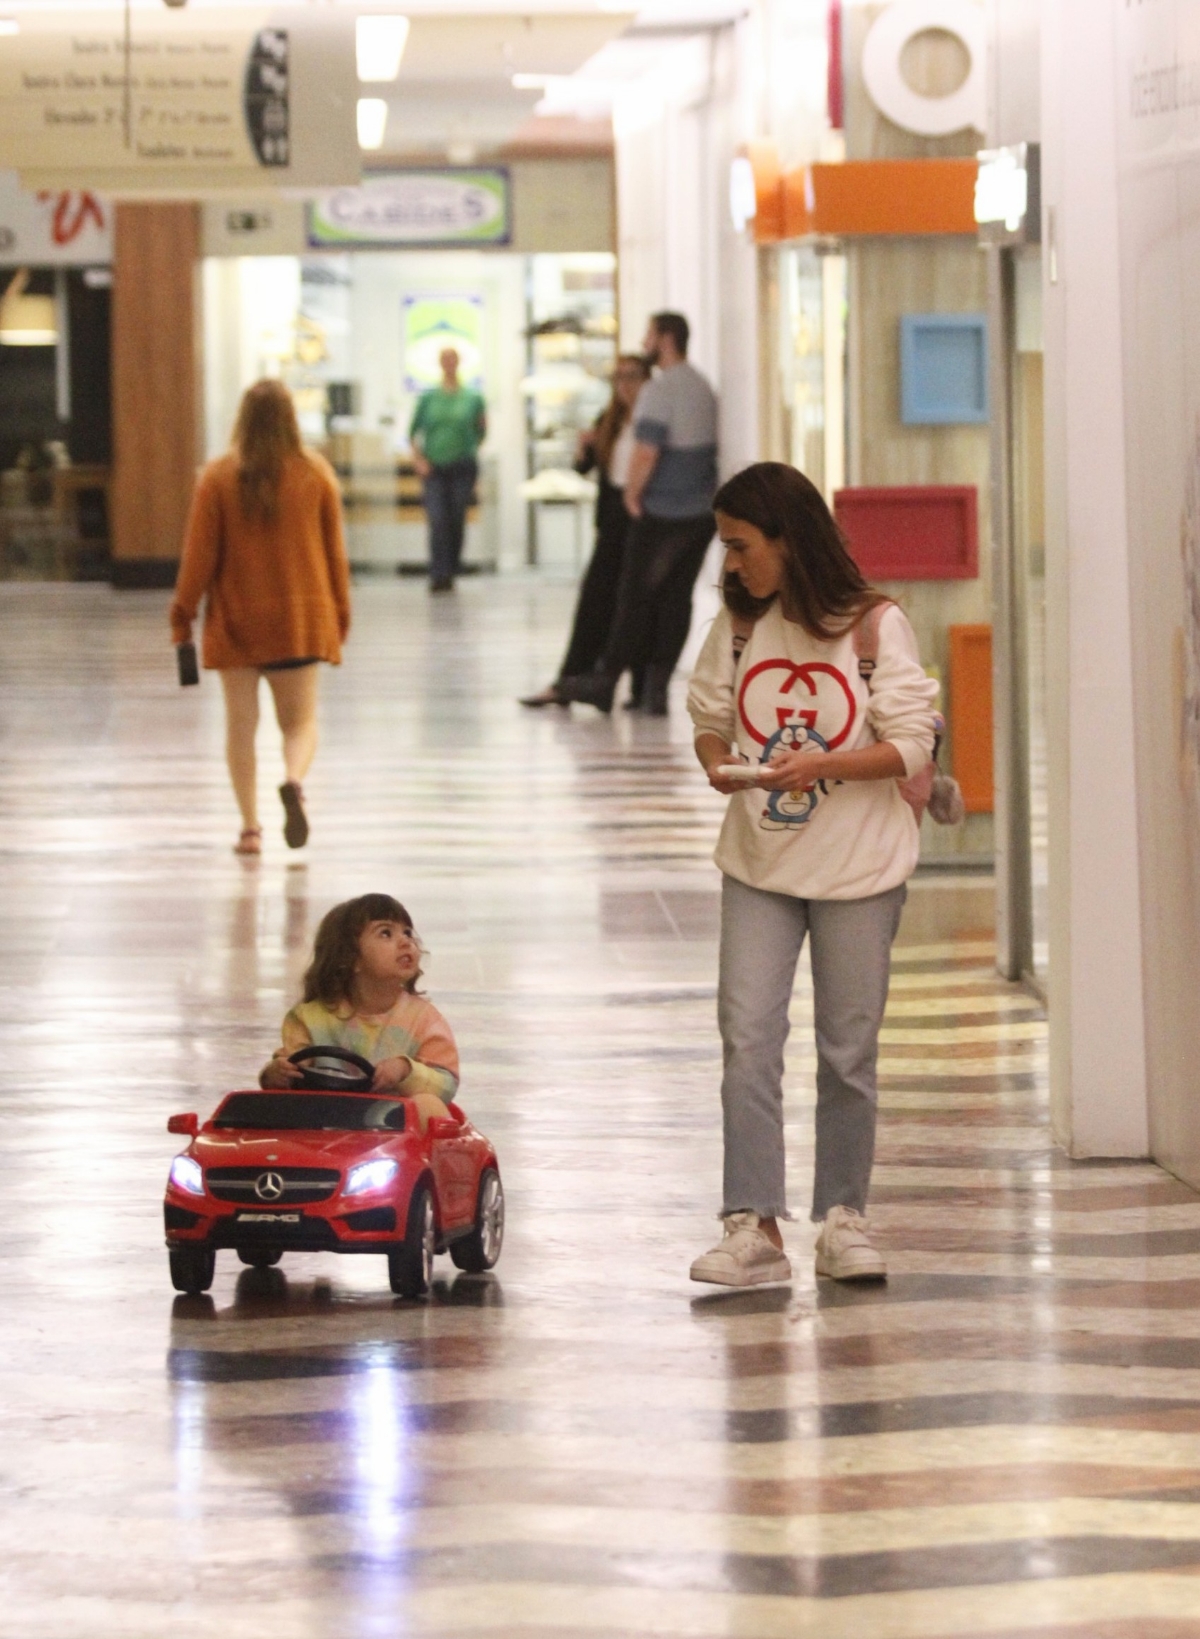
x,y
1097,1031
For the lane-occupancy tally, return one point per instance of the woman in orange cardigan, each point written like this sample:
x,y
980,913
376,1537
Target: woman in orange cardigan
x,y
265,546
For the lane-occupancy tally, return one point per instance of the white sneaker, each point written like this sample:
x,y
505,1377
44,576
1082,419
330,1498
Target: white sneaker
x,y
844,1250
744,1258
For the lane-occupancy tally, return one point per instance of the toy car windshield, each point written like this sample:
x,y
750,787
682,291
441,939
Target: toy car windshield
x,y
311,1112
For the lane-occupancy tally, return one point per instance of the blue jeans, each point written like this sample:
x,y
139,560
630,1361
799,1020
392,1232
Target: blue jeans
x,y
447,495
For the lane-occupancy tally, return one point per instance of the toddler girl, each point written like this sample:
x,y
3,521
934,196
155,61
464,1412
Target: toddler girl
x,y
360,992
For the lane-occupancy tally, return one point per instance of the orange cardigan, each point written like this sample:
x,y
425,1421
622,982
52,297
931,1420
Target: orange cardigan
x,y
277,590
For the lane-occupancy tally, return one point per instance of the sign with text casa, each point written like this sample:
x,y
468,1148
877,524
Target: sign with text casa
x,y
66,228
434,208
171,100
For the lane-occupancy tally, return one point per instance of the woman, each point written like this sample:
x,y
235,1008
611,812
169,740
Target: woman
x,y
448,426
608,446
265,545
817,840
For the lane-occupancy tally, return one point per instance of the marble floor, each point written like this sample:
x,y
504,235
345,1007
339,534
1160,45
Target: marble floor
x,y
1004,1441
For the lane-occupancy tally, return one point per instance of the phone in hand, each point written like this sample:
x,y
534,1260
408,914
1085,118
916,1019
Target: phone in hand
x,y
189,668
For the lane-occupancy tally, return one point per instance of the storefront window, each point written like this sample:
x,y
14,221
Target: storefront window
x,y
812,360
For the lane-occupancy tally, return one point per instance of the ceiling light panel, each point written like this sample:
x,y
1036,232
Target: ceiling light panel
x,y
379,44
372,122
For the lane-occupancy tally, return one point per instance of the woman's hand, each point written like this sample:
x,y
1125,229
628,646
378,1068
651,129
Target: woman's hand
x,y
181,624
713,751
421,465
722,782
795,770
278,1072
391,1074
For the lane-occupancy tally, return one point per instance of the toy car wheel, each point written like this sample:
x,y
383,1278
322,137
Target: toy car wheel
x,y
192,1268
410,1266
481,1248
261,1257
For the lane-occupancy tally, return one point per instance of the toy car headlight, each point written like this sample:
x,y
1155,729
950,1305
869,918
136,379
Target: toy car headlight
x,y
186,1175
369,1175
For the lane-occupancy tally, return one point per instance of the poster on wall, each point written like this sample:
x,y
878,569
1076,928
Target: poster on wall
x,y
431,324
1158,117
53,228
180,99
433,209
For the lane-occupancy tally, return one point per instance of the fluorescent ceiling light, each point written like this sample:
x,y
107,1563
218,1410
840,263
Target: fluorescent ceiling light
x,y
9,25
379,45
372,121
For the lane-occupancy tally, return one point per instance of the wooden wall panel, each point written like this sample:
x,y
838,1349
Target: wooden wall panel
x,y
889,278
156,373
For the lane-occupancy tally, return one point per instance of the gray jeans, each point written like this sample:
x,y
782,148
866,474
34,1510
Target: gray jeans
x,y
762,935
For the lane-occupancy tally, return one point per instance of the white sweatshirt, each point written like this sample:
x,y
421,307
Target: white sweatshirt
x,y
841,841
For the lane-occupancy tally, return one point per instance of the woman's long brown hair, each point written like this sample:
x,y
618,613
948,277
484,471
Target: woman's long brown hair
x,y
265,435
823,588
612,423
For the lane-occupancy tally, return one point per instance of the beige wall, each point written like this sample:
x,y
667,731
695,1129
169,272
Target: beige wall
x,y
563,204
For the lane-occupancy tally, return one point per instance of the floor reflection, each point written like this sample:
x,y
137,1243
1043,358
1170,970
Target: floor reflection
x,y
1003,1440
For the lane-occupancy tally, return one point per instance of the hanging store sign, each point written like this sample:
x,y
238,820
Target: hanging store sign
x,y
53,229
883,66
416,208
160,101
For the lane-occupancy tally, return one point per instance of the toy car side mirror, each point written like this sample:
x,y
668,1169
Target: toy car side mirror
x,y
188,1124
442,1127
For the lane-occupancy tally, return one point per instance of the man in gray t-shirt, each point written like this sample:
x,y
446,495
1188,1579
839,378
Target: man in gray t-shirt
x,y
675,425
668,494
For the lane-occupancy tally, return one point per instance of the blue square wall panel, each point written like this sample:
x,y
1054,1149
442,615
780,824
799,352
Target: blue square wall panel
x,y
943,369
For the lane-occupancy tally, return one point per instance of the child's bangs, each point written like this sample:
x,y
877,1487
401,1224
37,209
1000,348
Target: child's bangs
x,y
381,907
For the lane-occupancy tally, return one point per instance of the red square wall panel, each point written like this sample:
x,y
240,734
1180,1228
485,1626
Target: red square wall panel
x,y
927,533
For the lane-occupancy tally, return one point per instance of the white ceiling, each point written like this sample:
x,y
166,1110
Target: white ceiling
x,y
455,88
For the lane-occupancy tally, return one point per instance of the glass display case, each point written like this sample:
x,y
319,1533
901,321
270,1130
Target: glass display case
x,y
572,348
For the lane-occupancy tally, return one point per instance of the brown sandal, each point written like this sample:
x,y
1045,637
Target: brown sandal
x,y
295,824
249,841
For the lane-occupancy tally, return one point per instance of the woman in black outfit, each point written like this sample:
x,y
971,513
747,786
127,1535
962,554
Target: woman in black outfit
x,y
607,446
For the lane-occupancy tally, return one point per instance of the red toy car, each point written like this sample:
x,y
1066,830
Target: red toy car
x,y
329,1166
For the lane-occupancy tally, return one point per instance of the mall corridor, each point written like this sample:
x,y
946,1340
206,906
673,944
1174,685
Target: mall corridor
x,y
1002,1441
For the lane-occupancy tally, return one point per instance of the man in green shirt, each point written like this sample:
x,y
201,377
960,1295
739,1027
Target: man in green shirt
x,y
448,426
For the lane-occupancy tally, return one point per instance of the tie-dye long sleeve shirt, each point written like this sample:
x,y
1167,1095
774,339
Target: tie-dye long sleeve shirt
x,y
413,1027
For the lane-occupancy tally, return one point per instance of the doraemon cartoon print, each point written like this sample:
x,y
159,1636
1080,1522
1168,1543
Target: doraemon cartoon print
x,y
788,808
780,702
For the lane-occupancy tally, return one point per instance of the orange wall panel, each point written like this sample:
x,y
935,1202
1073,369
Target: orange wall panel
x,y
895,196
864,197
970,715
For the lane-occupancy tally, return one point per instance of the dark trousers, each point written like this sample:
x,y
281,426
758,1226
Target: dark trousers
x,y
447,495
654,596
597,600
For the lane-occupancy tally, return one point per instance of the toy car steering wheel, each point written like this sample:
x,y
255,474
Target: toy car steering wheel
x,y
333,1080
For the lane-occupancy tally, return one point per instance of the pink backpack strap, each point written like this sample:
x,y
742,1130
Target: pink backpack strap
x,y
866,639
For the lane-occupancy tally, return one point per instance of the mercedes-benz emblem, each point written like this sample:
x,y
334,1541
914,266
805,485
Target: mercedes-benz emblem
x,y
268,1186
